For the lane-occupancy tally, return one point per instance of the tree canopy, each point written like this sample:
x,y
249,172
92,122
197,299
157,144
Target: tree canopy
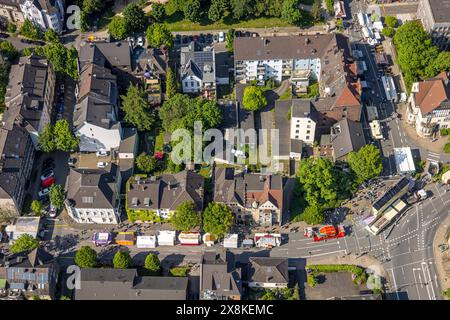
x,y
86,257
171,83
313,215
158,11
291,12
152,263
254,98
185,217
51,36
122,260
180,111
46,139
8,50
117,28
217,9
230,40
159,35
24,242
29,30
146,163
192,10
134,18
57,196
217,219
366,163
137,110
36,207
390,21
64,138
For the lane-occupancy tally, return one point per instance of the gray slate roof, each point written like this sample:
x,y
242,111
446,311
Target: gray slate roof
x,y
116,54
346,136
268,270
92,188
197,62
166,191
124,284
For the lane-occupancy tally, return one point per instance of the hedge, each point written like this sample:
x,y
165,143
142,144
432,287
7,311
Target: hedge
x,y
359,273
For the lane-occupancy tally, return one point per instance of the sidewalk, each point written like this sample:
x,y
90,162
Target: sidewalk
x,y
442,258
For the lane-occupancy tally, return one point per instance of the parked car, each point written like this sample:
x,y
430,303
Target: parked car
x,y
61,88
4,35
59,116
44,192
221,36
48,182
72,162
102,153
102,164
52,211
47,174
140,41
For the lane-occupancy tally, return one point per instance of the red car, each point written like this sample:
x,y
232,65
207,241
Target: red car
x,y
48,182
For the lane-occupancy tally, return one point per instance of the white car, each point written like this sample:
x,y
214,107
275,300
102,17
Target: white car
x,y
102,153
140,41
52,211
102,164
44,192
221,36
47,174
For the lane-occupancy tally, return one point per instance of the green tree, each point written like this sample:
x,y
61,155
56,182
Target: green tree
x,y
122,260
185,217
415,51
366,163
36,207
158,11
57,196
230,41
268,295
390,21
330,6
159,35
62,59
137,110
217,219
46,139
447,148
388,32
171,83
192,10
291,12
29,30
64,138
134,18
24,242
152,263
146,163
86,257
12,28
241,8
217,9
90,6
26,52
254,98
51,36
8,50
313,215
316,10
441,63
117,28
65,298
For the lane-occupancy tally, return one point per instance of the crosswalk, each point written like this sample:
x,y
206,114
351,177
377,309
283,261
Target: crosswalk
x,y
433,157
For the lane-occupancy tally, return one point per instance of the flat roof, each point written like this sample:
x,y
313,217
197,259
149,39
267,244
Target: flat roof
x,y
440,10
404,160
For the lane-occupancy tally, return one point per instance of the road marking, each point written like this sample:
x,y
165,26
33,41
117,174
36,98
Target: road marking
x,y
415,281
322,254
428,280
395,284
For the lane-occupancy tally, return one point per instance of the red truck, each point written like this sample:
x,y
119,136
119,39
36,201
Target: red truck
x,y
325,232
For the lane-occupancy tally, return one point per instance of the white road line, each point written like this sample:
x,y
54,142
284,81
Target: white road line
x,y
395,284
428,280
322,254
415,281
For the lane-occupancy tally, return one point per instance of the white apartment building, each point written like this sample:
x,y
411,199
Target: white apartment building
x,y
46,14
429,106
303,121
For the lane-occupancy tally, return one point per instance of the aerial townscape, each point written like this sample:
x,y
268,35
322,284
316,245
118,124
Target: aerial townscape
x,y
224,150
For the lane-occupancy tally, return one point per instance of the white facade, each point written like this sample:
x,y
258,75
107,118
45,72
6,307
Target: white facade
x,y
94,215
102,138
53,18
192,84
303,129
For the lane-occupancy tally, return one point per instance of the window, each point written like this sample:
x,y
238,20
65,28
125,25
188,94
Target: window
x,y
297,126
296,131
307,137
308,131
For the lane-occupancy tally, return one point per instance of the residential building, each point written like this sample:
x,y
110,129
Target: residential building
x,y
435,17
303,121
163,194
46,14
10,12
219,278
95,115
93,195
115,56
346,136
125,284
429,105
16,162
29,274
253,198
30,95
151,70
268,273
198,70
